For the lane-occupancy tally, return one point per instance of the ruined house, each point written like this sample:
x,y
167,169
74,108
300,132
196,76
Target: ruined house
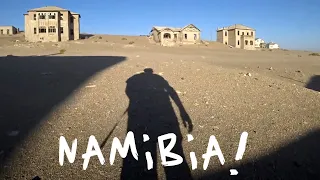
x,y
51,23
168,36
238,36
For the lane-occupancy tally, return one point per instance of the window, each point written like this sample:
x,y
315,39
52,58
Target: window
x,y
238,42
251,33
71,31
61,16
247,33
175,36
185,36
251,43
42,30
238,33
34,30
167,36
242,33
225,33
1,32
226,43
61,30
8,31
52,29
34,16
52,16
42,16
246,42
195,37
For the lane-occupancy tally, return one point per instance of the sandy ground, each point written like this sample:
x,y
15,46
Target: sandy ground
x,y
272,95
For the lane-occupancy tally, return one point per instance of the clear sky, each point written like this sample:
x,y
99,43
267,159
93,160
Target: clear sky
x,y
293,24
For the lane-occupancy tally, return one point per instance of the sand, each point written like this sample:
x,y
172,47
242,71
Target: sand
x,y
45,94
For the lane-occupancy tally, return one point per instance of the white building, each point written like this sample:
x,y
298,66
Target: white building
x,y
273,45
258,42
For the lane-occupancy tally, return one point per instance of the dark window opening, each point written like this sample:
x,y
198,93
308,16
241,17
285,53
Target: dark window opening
x,y
42,16
52,16
34,17
34,30
251,42
195,36
238,33
247,33
238,42
8,31
1,32
61,30
185,36
42,30
225,33
246,42
175,36
52,29
226,43
167,36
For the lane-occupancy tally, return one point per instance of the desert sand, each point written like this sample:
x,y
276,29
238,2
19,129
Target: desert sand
x,y
78,88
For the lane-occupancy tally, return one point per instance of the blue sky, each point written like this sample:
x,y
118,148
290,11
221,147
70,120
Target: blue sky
x,y
294,24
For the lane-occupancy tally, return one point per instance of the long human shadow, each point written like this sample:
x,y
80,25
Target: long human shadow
x,y
314,83
150,112
298,160
32,86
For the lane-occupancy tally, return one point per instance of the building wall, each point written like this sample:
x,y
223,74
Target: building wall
x,y
193,35
61,24
155,35
7,30
232,39
76,26
64,26
220,36
250,42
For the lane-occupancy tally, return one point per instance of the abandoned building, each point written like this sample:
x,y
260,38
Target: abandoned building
x,y
167,36
238,36
8,30
51,24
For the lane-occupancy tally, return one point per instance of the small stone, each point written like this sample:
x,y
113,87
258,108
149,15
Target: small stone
x,y
248,74
270,68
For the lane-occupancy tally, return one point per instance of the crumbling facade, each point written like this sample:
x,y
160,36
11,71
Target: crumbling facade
x,y
238,36
189,34
8,30
51,24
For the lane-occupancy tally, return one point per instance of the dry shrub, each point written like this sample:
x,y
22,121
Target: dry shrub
x,y
314,54
131,42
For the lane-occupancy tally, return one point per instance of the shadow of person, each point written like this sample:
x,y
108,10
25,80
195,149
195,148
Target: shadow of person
x,y
150,112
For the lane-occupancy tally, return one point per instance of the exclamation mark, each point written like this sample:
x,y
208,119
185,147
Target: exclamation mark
x,y
240,152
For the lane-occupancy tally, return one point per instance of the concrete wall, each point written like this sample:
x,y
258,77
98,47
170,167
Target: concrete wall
x,y
7,30
155,35
220,36
61,24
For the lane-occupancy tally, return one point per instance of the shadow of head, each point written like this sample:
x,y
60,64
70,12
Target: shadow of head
x,y
314,83
32,86
148,70
299,159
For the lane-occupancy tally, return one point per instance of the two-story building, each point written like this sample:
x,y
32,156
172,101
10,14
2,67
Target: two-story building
x,y
238,36
51,24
